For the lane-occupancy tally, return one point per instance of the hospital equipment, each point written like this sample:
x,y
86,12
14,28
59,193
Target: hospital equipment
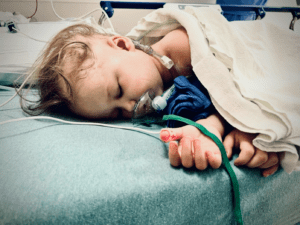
x,y
148,102
108,6
167,62
145,109
55,173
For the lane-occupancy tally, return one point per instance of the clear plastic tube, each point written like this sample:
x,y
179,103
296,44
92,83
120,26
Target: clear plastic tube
x,y
143,109
147,108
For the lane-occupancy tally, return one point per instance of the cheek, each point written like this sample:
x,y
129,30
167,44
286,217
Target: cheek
x,y
141,77
126,115
113,115
145,84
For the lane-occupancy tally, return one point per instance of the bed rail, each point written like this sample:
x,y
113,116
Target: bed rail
x,y
260,11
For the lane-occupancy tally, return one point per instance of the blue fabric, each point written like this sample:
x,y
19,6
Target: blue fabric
x,y
240,15
189,99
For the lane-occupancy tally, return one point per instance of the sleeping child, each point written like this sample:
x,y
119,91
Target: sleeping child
x,y
100,75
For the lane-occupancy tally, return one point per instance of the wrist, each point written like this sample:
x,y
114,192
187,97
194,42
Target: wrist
x,y
214,121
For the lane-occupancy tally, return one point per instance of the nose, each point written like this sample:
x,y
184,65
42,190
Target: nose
x,y
127,108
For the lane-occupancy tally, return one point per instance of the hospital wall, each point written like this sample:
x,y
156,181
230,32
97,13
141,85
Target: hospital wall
x,y
123,19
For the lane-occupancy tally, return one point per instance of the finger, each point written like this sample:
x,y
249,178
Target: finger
x,y
167,135
211,152
246,154
186,152
200,158
229,144
273,159
271,170
260,157
174,156
214,159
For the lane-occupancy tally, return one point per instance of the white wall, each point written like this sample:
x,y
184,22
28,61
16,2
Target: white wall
x,y
123,19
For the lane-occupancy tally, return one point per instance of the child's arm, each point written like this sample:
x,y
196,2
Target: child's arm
x,y
194,148
250,156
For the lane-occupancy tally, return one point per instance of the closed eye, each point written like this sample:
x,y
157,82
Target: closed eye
x,y
120,91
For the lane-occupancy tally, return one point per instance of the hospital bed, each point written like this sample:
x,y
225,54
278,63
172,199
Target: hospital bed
x,y
53,172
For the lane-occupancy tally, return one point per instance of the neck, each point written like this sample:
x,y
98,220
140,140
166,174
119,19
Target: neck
x,y
167,75
175,45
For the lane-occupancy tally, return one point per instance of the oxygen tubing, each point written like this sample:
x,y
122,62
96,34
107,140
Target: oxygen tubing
x,y
225,161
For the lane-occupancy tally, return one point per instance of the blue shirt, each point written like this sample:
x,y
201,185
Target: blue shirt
x,y
190,99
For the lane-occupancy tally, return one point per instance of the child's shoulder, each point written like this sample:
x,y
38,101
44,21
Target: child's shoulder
x,y
177,37
177,43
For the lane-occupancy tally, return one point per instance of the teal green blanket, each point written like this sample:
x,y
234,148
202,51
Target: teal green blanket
x,y
55,173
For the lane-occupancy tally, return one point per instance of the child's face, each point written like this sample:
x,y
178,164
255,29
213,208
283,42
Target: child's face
x,y
119,77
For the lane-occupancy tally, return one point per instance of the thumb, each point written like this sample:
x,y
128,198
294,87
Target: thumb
x,y
229,144
169,134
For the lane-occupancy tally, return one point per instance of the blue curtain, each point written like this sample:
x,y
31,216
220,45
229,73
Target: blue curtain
x,y
240,15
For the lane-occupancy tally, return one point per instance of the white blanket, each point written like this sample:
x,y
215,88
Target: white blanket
x,y
250,69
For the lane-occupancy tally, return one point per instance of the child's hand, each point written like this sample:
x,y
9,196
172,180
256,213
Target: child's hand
x,y
249,155
193,147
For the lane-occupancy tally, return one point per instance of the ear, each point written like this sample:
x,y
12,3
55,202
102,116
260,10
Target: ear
x,y
121,42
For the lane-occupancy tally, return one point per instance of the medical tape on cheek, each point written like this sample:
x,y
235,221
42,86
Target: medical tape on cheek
x,y
225,162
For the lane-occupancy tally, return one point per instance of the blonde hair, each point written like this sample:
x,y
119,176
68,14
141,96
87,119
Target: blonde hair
x,y
46,73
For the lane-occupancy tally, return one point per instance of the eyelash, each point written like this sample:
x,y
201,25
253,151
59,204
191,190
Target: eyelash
x,y
120,91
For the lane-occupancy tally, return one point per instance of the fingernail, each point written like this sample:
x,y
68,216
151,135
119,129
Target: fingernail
x,y
165,135
266,174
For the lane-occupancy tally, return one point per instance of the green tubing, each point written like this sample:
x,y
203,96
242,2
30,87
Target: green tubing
x,y
225,161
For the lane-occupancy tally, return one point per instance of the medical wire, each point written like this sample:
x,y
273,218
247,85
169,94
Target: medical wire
x,y
225,161
81,17
103,12
55,11
17,91
78,123
18,30
36,7
155,27
60,120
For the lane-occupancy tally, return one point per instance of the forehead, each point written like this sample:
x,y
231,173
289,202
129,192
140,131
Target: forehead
x,y
77,57
81,69
78,51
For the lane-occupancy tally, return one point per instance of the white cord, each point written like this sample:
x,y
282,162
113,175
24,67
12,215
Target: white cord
x,y
60,120
56,12
28,35
78,123
19,89
11,98
81,17
108,19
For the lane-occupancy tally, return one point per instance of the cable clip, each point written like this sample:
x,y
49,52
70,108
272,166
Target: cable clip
x,y
2,23
106,6
260,13
12,27
296,16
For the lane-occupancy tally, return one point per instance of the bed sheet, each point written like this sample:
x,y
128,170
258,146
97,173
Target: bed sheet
x,y
18,51
54,173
